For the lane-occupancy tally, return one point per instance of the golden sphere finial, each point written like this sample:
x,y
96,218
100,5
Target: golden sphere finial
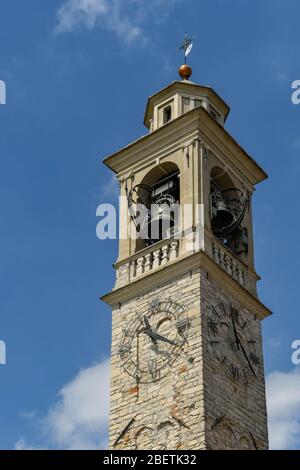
x,y
185,71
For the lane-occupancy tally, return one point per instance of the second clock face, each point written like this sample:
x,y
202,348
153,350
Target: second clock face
x,y
153,340
231,340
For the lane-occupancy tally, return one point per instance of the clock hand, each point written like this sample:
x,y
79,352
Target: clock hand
x,y
253,440
164,353
237,340
122,433
155,336
180,422
148,327
150,333
166,340
247,358
240,346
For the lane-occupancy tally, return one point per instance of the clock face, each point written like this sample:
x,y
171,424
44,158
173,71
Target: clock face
x,y
153,340
232,343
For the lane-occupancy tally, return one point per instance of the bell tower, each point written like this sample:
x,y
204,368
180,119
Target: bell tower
x,y
186,357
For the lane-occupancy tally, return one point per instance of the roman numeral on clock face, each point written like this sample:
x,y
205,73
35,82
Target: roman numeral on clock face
x,y
213,325
124,349
248,374
235,372
153,368
224,360
123,432
235,314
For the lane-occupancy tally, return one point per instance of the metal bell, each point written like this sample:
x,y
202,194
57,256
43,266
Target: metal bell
x,y
223,217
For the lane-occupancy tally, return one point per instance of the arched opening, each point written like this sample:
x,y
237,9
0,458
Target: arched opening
x,y
166,435
220,179
159,172
155,204
143,438
228,207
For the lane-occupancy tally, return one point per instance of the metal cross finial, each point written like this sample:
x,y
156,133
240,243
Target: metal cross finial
x,y
186,46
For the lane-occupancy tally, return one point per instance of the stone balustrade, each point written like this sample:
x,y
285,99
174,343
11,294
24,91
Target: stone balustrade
x,y
160,254
154,257
146,261
227,261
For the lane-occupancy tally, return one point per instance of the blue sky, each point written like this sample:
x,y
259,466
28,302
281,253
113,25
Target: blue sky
x,y
78,73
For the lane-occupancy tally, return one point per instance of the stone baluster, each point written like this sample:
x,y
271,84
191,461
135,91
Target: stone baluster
x,y
140,266
164,254
173,254
231,267
242,277
156,259
219,256
222,255
132,269
213,250
226,262
237,272
148,262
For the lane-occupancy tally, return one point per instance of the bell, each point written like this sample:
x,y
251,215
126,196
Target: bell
x,y
161,221
223,217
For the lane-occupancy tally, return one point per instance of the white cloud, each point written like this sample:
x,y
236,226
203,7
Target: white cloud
x,y
283,400
110,190
274,342
278,59
78,418
125,18
21,444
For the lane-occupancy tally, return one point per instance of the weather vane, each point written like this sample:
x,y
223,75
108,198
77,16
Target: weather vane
x,y
185,70
186,46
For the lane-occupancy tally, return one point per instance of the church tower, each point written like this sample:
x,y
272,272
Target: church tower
x,y
186,358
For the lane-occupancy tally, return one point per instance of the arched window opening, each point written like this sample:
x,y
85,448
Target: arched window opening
x,y
228,208
154,205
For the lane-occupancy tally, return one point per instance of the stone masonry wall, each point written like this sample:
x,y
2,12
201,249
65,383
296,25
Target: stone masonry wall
x,y
168,414
196,405
235,413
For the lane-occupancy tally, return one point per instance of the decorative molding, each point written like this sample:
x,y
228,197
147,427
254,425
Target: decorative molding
x,y
174,269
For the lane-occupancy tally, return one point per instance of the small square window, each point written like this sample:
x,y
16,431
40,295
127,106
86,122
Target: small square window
x,y
167,114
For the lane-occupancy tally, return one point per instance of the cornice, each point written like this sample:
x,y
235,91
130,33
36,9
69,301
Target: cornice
x,y
181,129
184,86
176,269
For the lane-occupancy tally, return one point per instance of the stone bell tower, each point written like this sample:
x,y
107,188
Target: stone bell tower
x,y
187,361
